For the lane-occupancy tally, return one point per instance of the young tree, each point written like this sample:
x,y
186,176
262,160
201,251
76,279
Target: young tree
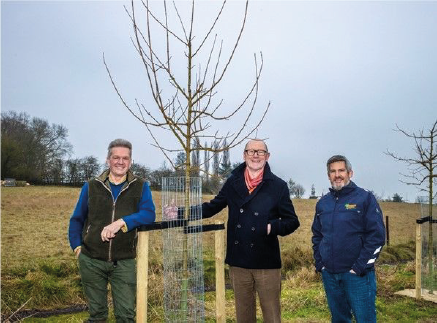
x,y
422,171
187,103
191,108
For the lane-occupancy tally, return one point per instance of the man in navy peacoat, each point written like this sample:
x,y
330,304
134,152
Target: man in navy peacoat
x,y
260,210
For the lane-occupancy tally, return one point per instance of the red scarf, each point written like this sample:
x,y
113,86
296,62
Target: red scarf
x,y
252,183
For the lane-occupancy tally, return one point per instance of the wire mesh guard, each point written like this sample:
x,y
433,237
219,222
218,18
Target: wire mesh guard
x,y
429,251
182,251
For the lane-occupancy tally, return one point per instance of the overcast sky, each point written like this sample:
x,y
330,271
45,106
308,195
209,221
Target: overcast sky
x,y
339,75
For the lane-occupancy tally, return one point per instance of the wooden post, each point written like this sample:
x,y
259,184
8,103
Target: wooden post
x,y
418,261
220,299
387,230
142,275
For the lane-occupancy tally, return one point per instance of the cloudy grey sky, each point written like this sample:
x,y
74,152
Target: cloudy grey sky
x,y
339,75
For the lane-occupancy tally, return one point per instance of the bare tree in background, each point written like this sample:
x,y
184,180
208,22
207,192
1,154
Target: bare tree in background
x,y
206,161
215,159
195,158
422,172
190,109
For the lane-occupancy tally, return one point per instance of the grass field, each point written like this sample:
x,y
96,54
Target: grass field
x,y
39,268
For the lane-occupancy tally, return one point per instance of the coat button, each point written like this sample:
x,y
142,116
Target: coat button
x,y
236,241
251,245
238,226
241,210
253,228
256,213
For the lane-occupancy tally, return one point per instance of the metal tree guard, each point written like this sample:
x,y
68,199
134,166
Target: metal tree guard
x,y
426,245
183,253
183,284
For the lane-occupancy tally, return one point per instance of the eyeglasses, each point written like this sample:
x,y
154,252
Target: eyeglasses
x,y
252,152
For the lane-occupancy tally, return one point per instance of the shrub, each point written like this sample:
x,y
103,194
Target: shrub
x,y
296,258
46,285
398,253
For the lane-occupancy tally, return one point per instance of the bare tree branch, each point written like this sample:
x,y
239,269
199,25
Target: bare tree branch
x,y
192,109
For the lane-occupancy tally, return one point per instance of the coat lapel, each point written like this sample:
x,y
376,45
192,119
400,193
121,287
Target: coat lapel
x,y
239,184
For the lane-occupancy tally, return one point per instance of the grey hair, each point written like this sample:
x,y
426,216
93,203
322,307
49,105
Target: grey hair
x,y
267,149
119,143
339,158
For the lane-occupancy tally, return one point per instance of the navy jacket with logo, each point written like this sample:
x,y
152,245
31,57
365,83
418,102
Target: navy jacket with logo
x,y
348,231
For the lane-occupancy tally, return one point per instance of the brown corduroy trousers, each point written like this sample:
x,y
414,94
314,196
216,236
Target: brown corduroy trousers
x,y
246,283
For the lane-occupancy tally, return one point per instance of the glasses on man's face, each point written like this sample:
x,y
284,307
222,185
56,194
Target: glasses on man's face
x,y
252,152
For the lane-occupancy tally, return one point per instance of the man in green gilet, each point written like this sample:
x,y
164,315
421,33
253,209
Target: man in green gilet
x,y
102,234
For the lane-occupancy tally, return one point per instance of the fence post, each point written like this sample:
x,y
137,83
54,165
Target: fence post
x,y
142,275
387,230
418,261
220,301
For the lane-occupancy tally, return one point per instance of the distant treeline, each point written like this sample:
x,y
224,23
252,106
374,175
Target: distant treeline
x,y
38,152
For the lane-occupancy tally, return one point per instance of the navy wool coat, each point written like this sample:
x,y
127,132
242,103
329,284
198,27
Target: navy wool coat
x,y
248,245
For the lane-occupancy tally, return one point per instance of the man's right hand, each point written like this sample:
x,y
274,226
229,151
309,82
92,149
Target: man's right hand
x,y
170,211
77,251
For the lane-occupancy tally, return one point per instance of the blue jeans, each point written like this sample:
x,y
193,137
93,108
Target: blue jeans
x,y
349,294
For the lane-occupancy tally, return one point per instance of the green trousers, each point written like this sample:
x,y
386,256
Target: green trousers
x,y
96,274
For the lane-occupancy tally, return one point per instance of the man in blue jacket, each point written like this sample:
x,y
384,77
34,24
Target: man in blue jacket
x,y
348,234
103,236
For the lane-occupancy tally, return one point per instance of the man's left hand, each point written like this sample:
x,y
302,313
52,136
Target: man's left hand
x,y
109,231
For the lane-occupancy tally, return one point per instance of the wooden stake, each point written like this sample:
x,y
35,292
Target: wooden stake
x,y
142,275
418,261
220,301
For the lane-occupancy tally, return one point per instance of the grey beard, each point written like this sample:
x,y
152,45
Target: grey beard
x,y
337,188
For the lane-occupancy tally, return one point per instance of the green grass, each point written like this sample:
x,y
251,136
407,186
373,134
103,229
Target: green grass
x,y
68,318
405,309
39,268
303,298
46,285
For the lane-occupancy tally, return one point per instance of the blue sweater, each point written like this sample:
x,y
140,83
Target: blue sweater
x,y
145,214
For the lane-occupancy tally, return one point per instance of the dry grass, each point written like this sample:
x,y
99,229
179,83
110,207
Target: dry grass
x,y
35,223
402,217
34,233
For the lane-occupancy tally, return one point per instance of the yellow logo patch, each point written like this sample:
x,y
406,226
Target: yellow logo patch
x,y
350,206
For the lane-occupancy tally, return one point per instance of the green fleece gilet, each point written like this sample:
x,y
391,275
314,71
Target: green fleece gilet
x,y
103,210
